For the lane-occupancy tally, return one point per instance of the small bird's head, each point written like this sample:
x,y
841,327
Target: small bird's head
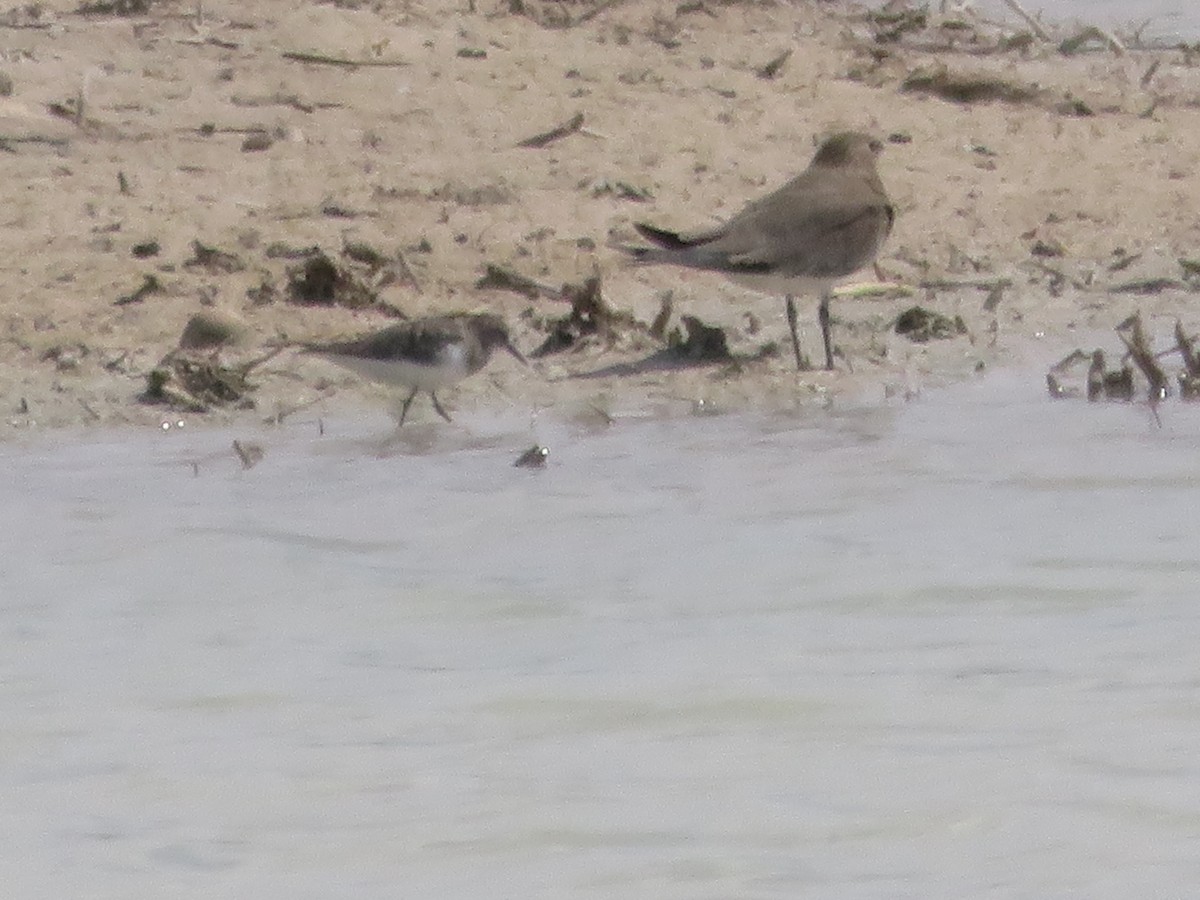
x,y
848,148
493,332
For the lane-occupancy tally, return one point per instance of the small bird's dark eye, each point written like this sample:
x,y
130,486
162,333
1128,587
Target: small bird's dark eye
x,y
875,145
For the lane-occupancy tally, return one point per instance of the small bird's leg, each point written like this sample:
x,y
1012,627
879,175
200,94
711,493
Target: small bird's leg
x,y
791,317
823,318
441,412
407,404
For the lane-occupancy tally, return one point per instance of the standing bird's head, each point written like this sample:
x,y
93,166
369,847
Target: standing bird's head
x,y
847,149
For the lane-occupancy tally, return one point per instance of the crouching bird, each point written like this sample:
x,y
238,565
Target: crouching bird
x,y
425,354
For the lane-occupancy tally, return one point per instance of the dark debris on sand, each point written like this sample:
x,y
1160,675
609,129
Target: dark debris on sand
x,y
213,260
921,325
703,343
591,320
1103,382
318,281
593,323
198,384
533,458
193,377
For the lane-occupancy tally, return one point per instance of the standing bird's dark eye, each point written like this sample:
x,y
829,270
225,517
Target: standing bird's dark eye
x,y
875,145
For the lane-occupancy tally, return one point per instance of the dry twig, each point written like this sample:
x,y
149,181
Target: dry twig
x,y
499,278
1191,361
1034,25
1133,335
774,67
321,59
150,285
571,126
1071,44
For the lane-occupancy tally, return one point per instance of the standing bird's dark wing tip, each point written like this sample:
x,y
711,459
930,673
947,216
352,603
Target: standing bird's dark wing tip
x,y
660,236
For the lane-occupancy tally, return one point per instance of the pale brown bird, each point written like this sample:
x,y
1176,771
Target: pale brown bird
x,y
422,354
826,223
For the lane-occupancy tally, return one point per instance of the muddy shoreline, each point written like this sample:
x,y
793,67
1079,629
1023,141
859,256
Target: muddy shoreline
x,y
163,163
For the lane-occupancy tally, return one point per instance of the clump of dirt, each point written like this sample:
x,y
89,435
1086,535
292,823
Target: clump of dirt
x,y
591,321
198,384
193,376
921,325
318,281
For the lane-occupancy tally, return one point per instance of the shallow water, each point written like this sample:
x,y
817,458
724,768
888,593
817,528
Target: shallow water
x,y
943,649
1179,19
1172,20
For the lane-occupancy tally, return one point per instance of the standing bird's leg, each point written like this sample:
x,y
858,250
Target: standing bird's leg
x,y
791,318
441,412
407,404
823,318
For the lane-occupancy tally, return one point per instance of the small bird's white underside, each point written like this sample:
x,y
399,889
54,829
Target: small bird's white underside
x,y
451,368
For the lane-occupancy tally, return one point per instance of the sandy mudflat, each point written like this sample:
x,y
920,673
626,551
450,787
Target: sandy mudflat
x,y
1091,162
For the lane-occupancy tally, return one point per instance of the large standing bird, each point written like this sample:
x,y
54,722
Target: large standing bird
x,y
826,223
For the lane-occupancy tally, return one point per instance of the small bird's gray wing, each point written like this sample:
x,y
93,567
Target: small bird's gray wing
x,y
417,343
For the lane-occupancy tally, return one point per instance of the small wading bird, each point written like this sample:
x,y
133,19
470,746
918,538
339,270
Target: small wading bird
x,y
826,223
422,354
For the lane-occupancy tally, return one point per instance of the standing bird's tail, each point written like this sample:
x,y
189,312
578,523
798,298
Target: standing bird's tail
x,y
668,240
